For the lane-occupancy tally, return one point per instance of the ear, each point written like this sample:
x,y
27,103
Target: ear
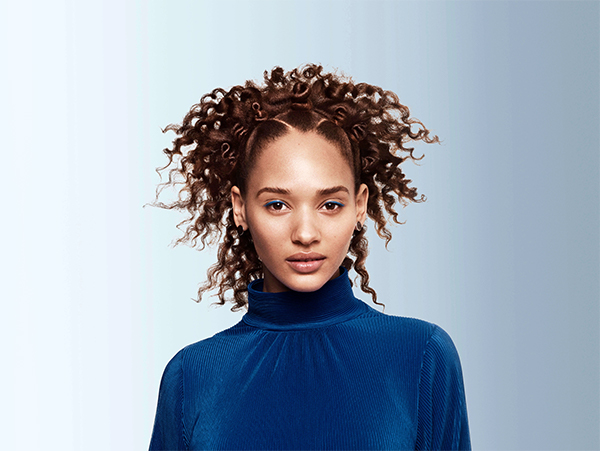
x,y
239,208
362,199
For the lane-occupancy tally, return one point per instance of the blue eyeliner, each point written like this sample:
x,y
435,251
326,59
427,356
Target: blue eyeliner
x,y
274,202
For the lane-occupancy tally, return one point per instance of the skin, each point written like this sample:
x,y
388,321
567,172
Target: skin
x,y
299,216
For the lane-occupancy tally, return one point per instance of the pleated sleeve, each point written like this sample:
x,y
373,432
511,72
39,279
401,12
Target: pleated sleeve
x,y
169,429
442,410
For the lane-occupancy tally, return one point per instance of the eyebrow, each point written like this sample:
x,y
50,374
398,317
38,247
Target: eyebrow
x,y
332,190
321,192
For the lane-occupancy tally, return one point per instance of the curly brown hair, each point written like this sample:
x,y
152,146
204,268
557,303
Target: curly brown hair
x,y
221,136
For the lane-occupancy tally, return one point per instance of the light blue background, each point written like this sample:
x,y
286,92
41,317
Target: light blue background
x,y
504,255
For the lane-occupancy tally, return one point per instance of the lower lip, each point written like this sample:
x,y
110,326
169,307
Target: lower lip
x,y
306,267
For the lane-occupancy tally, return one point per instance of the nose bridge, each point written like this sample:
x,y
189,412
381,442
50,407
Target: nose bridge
x,y
306,228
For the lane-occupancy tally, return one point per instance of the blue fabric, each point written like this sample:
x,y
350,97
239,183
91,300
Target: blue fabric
x,y
320,370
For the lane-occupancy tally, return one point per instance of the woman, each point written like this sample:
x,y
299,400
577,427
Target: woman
x,y
286,174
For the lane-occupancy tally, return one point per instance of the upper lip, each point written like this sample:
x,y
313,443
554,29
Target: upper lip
x,y
305,256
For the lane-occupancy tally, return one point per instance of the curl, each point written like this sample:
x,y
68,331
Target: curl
x,y
300,96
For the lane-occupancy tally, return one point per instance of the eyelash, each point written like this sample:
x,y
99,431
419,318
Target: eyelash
x,y
338,205
273,202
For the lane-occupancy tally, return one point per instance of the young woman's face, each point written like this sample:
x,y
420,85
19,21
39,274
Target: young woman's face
x,y
301,209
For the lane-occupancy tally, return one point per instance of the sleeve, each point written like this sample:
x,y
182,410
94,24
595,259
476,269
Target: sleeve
x,y
169,430
442,411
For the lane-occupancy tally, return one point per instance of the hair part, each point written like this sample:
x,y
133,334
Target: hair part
x,y
302,121
221,137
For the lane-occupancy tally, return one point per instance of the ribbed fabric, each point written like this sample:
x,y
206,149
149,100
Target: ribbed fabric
x,y
319,370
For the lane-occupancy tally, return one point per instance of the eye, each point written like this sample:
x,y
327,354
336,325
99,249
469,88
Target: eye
x,y
332,206
276,205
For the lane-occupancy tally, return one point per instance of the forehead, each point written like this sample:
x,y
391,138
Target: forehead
x,y
301,161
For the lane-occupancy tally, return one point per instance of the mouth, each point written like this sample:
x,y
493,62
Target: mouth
x,y
306,263
305,259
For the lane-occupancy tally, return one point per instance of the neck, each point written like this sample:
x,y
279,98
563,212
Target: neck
x,y
334,302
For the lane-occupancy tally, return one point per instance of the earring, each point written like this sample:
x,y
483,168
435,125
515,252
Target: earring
x,y
240,230
358,226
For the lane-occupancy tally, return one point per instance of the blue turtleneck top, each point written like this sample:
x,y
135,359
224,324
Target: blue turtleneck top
x,y
319,370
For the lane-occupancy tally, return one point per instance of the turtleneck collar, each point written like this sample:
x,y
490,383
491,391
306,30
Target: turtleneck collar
x,y
333,303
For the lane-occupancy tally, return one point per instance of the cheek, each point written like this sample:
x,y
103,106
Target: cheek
x,y
264,225
267,235
340,235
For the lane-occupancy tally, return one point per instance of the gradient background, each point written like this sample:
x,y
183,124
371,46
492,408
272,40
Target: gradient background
x,y
504,255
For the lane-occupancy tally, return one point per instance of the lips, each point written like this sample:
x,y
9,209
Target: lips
x,y
305,257
305,262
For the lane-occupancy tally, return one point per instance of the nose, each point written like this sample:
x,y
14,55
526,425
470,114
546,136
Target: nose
x,y
306,230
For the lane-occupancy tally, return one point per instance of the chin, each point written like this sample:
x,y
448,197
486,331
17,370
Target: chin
x,y
307,283
307,287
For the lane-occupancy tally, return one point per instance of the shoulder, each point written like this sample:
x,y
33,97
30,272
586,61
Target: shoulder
x,y
440,345
195,355
398,327
440,364
424,338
